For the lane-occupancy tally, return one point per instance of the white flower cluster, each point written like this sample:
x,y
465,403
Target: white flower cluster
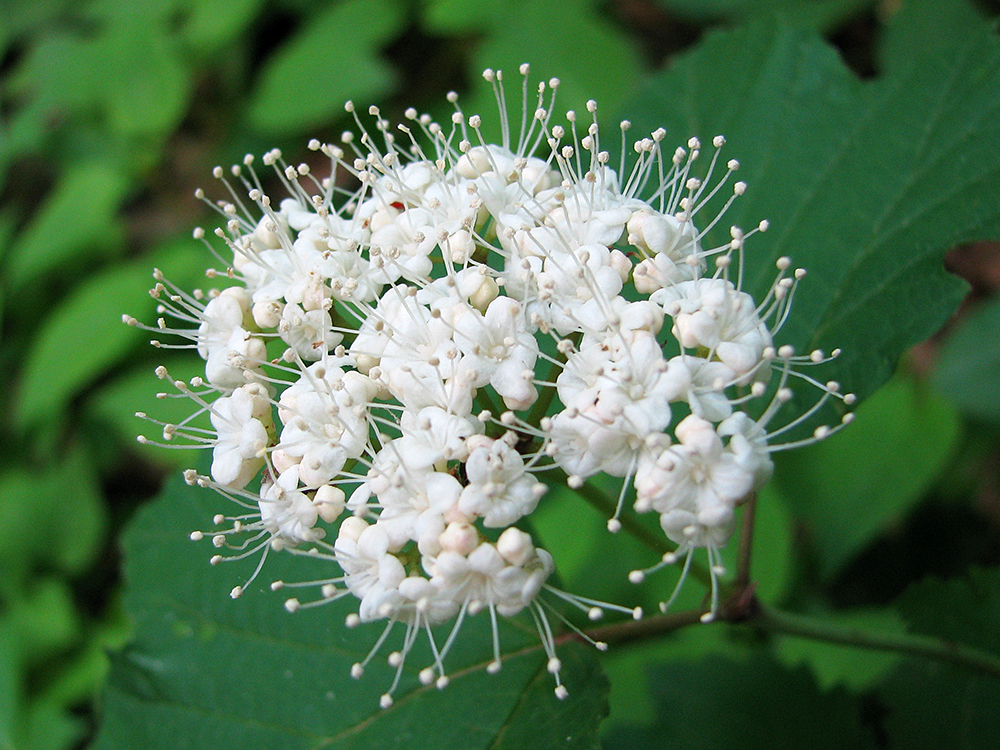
x,y
417,338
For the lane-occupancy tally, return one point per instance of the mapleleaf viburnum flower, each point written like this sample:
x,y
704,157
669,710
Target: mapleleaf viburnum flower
x,y
395,368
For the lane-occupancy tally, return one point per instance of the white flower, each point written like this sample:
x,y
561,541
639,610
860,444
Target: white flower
x,y
712,314
490,579
618,393
500,490
287,512
241,421
371,572
310,333
326,421
229,364
671,246
222,315
465,323
702,383
748,443
697,475
433,436
500,350
575,288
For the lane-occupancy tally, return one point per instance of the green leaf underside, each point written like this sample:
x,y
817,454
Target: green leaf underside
x,y
866,185
206,671
931,704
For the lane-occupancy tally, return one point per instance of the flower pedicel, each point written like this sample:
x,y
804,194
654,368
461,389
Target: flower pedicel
x,y
399,365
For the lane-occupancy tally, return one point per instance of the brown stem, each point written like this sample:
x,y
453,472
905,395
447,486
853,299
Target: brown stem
x,y
910,644
629,631
743,607
742,581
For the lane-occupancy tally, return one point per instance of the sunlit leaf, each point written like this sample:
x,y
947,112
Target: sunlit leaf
x,y
76,221
212,23
44,619
130,69
146,81
62,496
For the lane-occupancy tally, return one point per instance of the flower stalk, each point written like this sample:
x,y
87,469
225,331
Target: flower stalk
x,y
743,608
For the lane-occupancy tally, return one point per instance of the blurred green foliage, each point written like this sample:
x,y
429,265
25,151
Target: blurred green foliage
x,y
112,112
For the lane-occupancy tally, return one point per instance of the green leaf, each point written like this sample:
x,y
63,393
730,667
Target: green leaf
x,y
115,404
964,610
146,84
10,684
76,222
632,701
851,487
56,73
26,719
458,16
74,499
23,18
45,620
205,671
866,185
756,703
571,544
7,221
212,23
968,368
62,496
836,665
51,727
84,336
931,704
773,559
334,58
29,720
129,68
